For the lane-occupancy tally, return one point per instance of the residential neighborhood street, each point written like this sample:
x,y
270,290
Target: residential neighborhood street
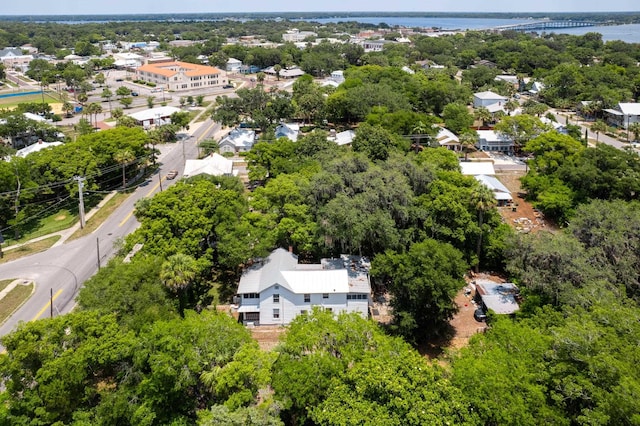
x,y
59,272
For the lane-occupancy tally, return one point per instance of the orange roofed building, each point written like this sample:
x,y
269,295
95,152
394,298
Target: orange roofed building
x,y
177,76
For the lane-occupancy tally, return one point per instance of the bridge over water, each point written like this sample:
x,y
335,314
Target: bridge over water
x,y
544,25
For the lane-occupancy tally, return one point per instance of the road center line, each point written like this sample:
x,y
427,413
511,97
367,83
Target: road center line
x,y
126,218
55,296
151,191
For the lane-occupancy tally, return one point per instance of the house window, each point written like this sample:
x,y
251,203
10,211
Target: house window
x,y
325,295
277,286
276,313
276,298
252,316
307,298
357,297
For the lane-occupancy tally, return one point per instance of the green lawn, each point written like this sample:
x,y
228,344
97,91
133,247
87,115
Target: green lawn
x,y
29,249
5,283
14,101
58,221
101,215
14,300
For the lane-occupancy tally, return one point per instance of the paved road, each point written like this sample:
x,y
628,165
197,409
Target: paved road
x,y
592,135
60,271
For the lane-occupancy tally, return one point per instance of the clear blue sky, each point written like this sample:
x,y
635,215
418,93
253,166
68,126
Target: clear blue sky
x,y
83,7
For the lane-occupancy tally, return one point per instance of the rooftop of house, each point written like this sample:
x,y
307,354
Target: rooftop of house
x,y
489,95
38,146
500,191
499,297
288,130
214,165
629,108
343,138
169,69
475,168
154,113
446,136
240,137
491,136
348,274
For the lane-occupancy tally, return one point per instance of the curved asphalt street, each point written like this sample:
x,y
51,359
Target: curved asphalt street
x,y
60,271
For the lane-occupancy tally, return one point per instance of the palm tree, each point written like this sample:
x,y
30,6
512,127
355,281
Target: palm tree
x,y
599,126
67,107
107,94
208,146
536,108
117,114
277,68
260,77
468,142
124,157
82,98
483,115
483,200
94,109
177,273
511,106
419,131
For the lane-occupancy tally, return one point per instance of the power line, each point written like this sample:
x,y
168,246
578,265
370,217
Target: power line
x,y
58,184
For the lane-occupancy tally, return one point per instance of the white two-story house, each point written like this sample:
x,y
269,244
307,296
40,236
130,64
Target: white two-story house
x,y
277,289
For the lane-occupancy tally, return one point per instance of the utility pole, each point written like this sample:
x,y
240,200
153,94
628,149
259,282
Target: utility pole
x,y
160,178
51,302
80,200
17,203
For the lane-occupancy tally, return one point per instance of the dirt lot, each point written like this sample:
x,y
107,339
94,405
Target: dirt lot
x,y
463,322
525,219
267,336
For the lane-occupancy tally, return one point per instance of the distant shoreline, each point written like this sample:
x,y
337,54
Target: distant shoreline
x,y
601,17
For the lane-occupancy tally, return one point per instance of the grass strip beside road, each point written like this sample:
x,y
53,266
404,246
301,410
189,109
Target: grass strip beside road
x,y
5,283
14,299
101,215
27,249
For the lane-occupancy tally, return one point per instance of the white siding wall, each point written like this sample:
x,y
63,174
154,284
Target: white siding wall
x,y
477,102
291,305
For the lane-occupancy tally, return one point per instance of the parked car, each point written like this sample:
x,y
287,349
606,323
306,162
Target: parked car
x,y
228,86
119,79
134,94
480,315
172,174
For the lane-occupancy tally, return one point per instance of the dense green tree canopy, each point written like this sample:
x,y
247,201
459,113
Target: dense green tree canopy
x,y
423,282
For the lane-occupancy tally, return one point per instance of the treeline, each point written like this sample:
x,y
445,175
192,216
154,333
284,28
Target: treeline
x,y
617,17
127,356
42,183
